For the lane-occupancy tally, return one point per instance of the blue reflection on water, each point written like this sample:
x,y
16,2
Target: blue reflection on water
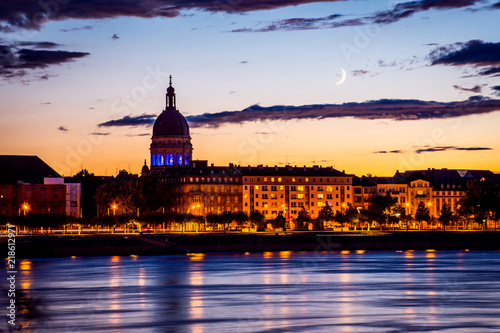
x,y
269,292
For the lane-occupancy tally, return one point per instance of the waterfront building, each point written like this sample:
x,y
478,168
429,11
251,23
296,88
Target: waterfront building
x,y
29,185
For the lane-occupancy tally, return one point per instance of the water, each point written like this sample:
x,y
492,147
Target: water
x,y
438,291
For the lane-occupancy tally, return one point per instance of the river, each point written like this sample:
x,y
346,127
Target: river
x,y
421,291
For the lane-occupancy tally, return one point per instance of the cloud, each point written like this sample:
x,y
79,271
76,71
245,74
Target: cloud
x,y
388,152
474,52
142,120
496,89
140,134
100,133
445,148
243,62
62,128
475,89
85,27
15,61
395,109
115,37
495,71
395,14
29,14
359,72
36,45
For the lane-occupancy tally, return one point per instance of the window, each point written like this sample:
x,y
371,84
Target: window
x,y
307,180
279,179
321,204
293,204
264,188
312,188
320,188
300,188
320,196
274,196
300,196
329,196
256,195
265,179
293,196
264,196
293,188
272,179
273,188
312,196
293,180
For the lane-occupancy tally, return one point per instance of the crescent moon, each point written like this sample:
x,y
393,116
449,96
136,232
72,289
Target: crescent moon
x,y
344,76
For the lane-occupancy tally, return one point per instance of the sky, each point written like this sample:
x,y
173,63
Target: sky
x,y
369,87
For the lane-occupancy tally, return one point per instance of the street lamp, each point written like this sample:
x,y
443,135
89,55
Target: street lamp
x,y
25,208
114,208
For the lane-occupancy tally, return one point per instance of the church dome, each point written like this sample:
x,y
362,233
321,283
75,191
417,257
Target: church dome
x,y
170,123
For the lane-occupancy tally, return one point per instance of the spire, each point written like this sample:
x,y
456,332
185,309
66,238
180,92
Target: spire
x,y
170,96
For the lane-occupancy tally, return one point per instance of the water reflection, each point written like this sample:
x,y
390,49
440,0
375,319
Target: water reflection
x,y
408,291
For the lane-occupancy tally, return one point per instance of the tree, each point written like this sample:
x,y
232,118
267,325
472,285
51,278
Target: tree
x,y
302,217
481,200
326,213
422,213
446,215
256,218
382,208
352,214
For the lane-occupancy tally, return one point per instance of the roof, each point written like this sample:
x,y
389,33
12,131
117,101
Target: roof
x,y
29,169
388,180
315,171
171,123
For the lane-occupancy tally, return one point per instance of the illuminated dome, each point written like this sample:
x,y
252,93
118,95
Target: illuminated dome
x,y
170,144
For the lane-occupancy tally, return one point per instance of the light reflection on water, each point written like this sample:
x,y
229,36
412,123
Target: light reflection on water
x,y
427,291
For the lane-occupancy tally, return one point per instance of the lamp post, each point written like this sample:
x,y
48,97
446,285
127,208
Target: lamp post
x,y
114,208
25,208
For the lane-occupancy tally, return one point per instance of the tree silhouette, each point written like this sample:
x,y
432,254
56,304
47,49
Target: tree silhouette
x,y
422,213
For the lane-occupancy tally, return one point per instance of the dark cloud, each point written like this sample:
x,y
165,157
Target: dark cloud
x,y
496,89
29,14
474,52
398,12
62,128
14,61
379,109
495,71
244,62
445,148
100,133
142,120
115,37
475,89
37,45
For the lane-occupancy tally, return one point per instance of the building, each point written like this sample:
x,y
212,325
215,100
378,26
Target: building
x,y
171,143
286,190
29,185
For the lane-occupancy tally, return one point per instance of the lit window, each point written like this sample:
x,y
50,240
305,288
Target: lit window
x,y
272,179
307,179
279,179
293,180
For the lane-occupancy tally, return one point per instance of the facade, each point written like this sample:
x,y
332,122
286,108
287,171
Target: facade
x,y
286,190
25,198
29,185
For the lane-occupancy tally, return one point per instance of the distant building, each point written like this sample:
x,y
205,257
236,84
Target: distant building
x,y
29,185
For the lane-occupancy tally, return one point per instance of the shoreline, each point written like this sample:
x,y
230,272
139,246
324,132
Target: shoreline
x,y
154,244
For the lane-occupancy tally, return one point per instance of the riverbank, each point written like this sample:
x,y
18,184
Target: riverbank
x,y
47,246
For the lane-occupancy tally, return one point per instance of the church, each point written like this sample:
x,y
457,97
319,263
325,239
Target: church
x,y
207,189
